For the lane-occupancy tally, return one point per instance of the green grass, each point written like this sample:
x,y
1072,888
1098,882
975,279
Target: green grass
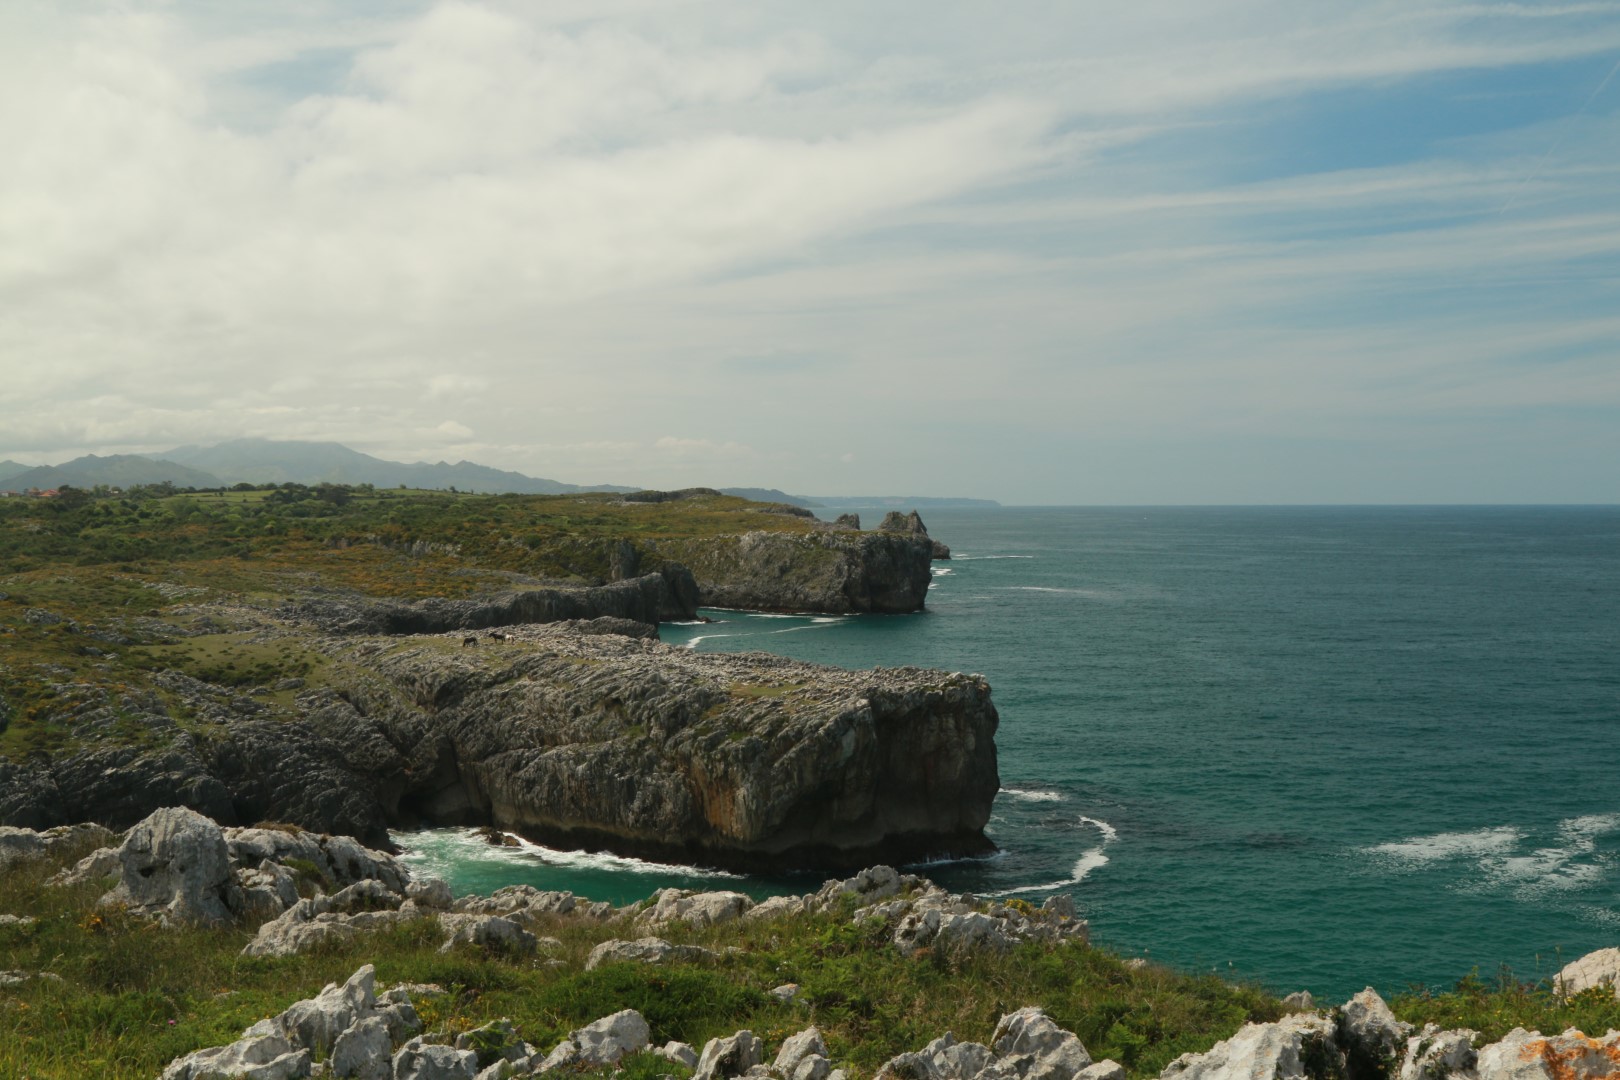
x,y
134,997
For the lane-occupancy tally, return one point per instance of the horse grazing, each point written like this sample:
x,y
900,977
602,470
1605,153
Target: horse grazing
x,y
466,641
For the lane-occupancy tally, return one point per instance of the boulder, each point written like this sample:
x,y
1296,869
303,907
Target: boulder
x,y
1372,1039
647,950
1107,1069
174,867
304,926
1438,1055
363,1050
256,1057
1528,1055
1266,1052
486,931
315,1024
430,892
417,1060
1031,1043
695,908
952,1060
728,1057
605,1041
1600,968
680,1053
803,1056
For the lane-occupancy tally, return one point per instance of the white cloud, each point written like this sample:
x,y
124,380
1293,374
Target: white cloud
x,y
985,225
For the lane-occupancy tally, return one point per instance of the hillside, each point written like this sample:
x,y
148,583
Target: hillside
x,y
276,461
115,470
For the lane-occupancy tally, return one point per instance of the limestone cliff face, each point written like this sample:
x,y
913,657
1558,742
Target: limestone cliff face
x,y
838,571
726,760
571,733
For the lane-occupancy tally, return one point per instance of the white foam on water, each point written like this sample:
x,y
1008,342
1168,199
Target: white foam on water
x,y
1090,594
943,571
1033,796
1507,859
440,847
692,643
1090,859
956,556
1419,850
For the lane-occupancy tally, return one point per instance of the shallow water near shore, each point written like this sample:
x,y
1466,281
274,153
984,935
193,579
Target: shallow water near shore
x,y
1314,747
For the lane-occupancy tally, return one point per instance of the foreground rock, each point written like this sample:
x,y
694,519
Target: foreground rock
x,y
1595,969
180,868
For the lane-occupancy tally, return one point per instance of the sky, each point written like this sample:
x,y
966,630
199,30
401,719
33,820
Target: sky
x,y
1170,252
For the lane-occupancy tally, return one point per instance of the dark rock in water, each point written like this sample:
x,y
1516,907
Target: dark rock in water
x,y
494,837
941,552
848,521
912,525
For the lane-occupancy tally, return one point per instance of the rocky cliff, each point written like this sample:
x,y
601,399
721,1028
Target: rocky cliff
x,y
657,597
838,571
565,733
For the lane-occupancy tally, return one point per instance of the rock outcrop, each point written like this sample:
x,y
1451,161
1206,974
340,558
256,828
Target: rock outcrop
x,y
830,570
572,736
1600,968
647,599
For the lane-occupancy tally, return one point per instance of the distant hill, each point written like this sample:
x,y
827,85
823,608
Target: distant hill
x,y
115,470
265,461
770,495
896,502
8,469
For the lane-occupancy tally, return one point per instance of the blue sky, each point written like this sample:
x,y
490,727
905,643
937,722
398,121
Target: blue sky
x,y
1238,251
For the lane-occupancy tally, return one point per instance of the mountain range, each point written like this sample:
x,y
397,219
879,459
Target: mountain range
x,y
266,461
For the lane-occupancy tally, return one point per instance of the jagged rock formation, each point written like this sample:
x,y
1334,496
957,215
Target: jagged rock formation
x,y
912,525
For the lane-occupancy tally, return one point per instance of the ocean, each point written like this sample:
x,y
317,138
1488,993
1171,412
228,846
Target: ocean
x,y
1316,748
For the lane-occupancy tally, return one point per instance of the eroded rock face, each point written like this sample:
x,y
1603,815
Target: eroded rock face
x,y
582,739
729,760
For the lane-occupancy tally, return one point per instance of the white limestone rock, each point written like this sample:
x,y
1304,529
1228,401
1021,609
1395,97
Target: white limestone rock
x,y
958,1060
731,1056
1600,968
695,908
1107,1069
252,1057
1369,1032
1032,1044
605,1041
1436,1055
1264,1052
363,1051
486,931
680,1053
417,1060
803,1056
174,867
1529,1055
647,950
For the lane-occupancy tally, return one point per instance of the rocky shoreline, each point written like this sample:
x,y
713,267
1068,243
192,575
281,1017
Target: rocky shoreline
x,y
179,868
581,734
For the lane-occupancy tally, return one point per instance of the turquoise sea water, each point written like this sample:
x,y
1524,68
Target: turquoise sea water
x,y
1317,747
